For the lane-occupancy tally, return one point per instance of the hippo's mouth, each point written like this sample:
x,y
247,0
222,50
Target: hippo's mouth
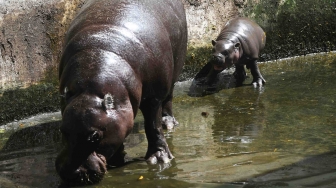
x,y
218,64
218,67
94,168
91,172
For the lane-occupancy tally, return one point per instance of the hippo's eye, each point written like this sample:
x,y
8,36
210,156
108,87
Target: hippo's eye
x,y
94,137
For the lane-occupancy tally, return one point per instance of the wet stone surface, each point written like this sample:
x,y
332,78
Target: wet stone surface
x,y
280,135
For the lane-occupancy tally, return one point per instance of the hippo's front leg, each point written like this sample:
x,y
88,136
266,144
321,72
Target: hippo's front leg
x,y
157,146
258,79
240,74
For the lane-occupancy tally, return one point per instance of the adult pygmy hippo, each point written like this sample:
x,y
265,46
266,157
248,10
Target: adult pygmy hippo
x,y
120,55
239,43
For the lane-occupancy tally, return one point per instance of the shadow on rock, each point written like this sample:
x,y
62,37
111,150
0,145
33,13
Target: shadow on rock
x,y
34,136
314,171
199,86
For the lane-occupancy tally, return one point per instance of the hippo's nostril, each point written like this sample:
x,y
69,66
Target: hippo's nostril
x,y
217,60
217,57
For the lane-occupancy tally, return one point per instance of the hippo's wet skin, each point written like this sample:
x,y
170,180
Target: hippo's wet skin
x,y
239,43
120,55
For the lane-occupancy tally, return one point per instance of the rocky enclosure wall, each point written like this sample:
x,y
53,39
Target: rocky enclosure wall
x,y
206,17
32,32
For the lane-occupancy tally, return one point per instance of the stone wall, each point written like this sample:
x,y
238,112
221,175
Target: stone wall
x,y
30,39
32,33
206,18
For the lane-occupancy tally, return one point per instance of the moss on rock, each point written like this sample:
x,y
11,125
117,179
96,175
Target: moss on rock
x,y
19,103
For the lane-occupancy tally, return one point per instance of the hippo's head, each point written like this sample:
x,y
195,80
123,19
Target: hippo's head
x,y
93,128
225,54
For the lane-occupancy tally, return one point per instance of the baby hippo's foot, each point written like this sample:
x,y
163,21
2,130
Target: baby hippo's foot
x,y
259,82
169,122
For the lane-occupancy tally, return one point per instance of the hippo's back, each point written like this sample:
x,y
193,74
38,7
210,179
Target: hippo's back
x,y
138,31
250,35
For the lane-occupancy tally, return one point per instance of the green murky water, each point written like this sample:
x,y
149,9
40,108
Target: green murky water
x,y
281,135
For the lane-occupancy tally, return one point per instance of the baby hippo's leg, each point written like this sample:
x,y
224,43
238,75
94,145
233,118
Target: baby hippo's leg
x,y
240,74
258,79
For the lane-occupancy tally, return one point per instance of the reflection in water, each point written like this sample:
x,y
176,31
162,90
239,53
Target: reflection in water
x,y
239,120
283,135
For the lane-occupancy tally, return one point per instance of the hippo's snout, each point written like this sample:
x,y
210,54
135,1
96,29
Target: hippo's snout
x,y
218,57
90,172
218,62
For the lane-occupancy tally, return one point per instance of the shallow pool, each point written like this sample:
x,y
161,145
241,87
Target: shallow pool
x,y
280,135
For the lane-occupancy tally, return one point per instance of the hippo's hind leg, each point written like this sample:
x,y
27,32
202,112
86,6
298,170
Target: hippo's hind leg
x,y
168,120
258,79
157,146
240,75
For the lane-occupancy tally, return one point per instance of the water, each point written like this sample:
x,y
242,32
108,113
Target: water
x,y
282,135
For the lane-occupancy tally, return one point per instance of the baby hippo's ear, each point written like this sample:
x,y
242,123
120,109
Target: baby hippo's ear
x,y
213,42
108,102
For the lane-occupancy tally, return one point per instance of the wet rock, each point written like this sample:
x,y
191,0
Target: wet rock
x,y
34,136
239,3
31,35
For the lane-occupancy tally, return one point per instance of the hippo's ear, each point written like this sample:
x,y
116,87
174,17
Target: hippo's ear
x,y
108,102
237,45
213,42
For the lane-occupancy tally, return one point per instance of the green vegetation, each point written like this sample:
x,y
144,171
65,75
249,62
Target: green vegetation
x,y
295,27
196,58
18,103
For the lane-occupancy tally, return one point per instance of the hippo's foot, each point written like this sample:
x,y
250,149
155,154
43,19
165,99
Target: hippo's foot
x,y
169,122
159,154
259,82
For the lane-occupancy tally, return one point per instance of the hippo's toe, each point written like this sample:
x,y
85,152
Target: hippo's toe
x,y
169,122
160,156
259,82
